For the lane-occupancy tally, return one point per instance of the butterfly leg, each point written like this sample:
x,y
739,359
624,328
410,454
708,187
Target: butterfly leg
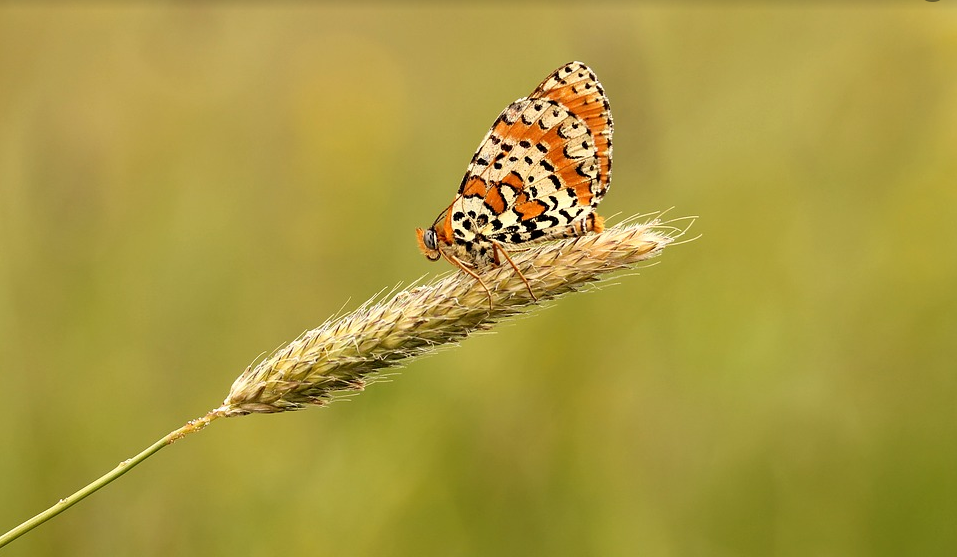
x,y
458,263
499,249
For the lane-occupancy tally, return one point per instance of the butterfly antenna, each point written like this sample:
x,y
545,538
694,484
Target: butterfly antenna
x,y
447,209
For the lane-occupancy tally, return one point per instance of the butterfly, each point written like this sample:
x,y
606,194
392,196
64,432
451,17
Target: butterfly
x,y
538,175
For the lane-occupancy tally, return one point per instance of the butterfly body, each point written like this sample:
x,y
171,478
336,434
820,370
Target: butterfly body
x,y
538,175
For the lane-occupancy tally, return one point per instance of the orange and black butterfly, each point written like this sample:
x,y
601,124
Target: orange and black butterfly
x,y
538,175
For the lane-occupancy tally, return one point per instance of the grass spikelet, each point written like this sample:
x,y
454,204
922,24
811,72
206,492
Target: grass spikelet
x,y
343,354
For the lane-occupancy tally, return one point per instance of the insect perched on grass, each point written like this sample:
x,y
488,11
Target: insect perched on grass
x,y
538,175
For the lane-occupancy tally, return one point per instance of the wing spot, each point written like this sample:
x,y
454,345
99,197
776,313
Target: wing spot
x,y
569,155
494,201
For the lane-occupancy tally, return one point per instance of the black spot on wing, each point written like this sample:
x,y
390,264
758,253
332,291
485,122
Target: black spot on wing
x,y
569,156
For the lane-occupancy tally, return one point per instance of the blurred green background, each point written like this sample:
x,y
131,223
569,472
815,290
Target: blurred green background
x,y
183,189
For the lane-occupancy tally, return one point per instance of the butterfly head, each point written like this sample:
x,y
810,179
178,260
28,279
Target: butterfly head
x,y
428,243
439,235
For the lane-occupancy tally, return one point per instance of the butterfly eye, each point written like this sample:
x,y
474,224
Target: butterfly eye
x,y
429,239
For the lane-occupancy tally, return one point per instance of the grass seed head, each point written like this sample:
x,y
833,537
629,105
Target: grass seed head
x,y
344,353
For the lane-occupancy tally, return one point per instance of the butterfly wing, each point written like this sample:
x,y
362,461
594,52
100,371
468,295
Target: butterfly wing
x,y
543,167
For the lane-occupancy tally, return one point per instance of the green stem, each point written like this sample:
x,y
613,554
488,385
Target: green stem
x,y
124,467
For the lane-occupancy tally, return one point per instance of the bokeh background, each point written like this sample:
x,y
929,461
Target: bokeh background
x,y
183,189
